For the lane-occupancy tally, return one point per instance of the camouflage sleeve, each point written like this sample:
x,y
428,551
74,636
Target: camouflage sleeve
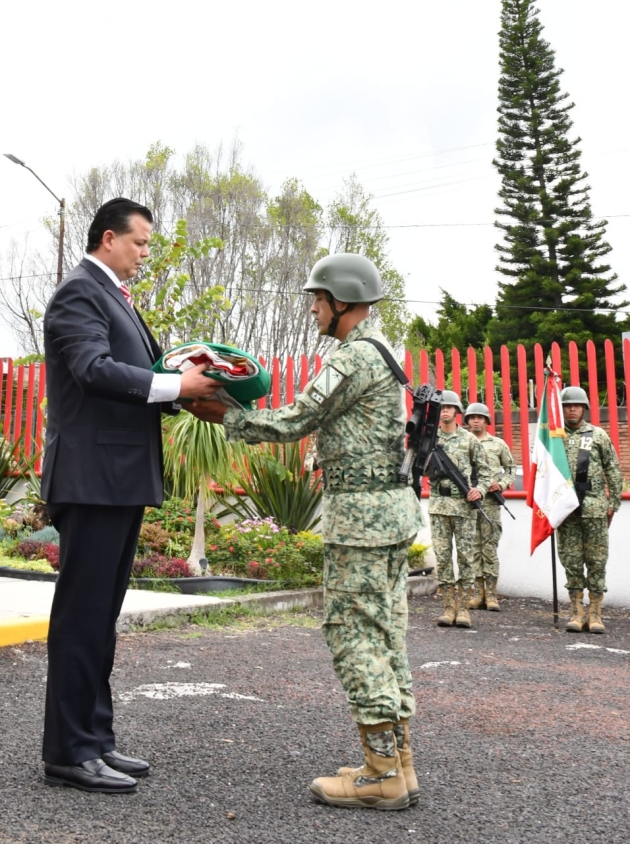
x,y
612,472
331,393
286,424
509,468
481,466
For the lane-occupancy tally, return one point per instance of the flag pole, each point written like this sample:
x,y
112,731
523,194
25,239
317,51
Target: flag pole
x,y
554,580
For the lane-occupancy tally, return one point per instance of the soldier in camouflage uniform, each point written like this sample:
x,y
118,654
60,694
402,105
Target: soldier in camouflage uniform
x,y
488,534
357,407
583,535
452,516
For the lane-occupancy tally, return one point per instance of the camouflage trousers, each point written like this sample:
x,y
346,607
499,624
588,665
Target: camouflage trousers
x,y
487,536
365,625
462,528
583,543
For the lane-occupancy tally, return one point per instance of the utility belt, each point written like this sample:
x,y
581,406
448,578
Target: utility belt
x,y
339,480
446,492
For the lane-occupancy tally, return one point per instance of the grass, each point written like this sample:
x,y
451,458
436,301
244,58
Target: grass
x,y
236,617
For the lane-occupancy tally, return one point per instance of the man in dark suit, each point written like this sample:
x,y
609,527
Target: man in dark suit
x,y
102,466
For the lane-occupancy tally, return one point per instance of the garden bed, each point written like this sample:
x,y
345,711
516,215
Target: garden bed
x,y
186,585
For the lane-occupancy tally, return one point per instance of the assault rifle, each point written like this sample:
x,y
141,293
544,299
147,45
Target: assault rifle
x,y
423,449
498,497
421,430
442,466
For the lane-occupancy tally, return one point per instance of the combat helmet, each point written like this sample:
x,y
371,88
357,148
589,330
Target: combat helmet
x,y
451,398
347,277
477,408
574,395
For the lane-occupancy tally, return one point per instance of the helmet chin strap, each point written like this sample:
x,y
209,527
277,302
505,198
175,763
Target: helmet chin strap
x,y
334,322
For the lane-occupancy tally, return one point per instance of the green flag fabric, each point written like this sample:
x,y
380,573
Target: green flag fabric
x,y
244,378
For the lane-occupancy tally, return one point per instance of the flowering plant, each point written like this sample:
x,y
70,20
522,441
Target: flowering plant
x,y
261,549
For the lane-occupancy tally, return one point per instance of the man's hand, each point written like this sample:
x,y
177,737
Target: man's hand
x,y
610,515
495,486
474,495
207,411
196,385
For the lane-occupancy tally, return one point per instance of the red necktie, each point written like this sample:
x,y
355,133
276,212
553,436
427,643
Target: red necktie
x,y
125,292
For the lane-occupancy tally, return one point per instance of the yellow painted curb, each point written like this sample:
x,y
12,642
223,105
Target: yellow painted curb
x,y
15,631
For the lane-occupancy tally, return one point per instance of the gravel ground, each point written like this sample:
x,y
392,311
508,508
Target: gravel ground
x,y
522,735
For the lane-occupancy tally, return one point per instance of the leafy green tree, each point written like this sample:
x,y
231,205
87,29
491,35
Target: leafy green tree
x,y
558,284
458,326
172,310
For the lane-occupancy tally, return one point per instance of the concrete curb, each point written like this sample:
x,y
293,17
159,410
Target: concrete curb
x,y
270,601
16,631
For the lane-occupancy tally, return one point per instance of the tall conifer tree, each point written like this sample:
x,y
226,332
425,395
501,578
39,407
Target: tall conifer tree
x,y
558,285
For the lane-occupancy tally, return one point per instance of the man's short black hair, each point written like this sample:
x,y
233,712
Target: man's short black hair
x,y
114,216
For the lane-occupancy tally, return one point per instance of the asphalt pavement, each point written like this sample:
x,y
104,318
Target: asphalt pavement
x,y
522,735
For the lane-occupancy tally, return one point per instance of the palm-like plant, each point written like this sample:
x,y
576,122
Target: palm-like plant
x,y
277,484
196,455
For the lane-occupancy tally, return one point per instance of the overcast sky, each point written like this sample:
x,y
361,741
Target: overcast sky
x,y
402,93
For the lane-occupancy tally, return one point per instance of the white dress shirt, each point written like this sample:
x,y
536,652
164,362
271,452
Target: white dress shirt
x,y
164,387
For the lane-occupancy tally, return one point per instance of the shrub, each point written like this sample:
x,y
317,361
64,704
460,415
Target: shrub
x,y
46,534
175,516
51,553
416,555
258,548
35,549
30,549
153,538
158,565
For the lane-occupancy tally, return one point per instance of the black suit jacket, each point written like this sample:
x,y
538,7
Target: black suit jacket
x,y
103,441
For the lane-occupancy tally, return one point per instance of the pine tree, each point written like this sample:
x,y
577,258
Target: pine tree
x,y
559,287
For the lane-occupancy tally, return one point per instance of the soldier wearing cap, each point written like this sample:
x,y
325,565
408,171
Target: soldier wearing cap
x,y
369,521
451,515
488,534
583,535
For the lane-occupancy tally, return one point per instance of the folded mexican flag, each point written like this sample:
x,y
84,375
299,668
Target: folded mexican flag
x,y
244,378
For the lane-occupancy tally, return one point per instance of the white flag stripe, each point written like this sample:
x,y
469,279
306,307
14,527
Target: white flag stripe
x,y
554,494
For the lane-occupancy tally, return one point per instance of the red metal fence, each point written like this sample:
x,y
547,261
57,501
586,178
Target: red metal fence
x,y
512,402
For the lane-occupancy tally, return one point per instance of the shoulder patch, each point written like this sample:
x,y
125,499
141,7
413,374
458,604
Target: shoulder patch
x,y
326,383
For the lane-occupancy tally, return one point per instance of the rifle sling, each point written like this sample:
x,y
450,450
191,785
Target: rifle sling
x,y
388,357
582,484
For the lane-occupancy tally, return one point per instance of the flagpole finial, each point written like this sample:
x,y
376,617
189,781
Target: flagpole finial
x,y
548,361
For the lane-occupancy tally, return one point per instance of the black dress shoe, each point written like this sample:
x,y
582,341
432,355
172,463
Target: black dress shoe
x,y
126,764
93,775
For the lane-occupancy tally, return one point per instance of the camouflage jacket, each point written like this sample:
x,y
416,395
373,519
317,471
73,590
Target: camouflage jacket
x,y
502,465
466,452
603,470
357,407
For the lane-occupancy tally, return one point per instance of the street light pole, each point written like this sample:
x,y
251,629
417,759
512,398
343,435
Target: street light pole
x,y
62,213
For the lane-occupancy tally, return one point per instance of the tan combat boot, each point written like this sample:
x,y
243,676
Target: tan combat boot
x,y
401,731
462,616
577,618
378,784
478,599
492,600
595,623
447,619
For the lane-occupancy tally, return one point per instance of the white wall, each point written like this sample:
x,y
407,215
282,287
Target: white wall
x,y
522,575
